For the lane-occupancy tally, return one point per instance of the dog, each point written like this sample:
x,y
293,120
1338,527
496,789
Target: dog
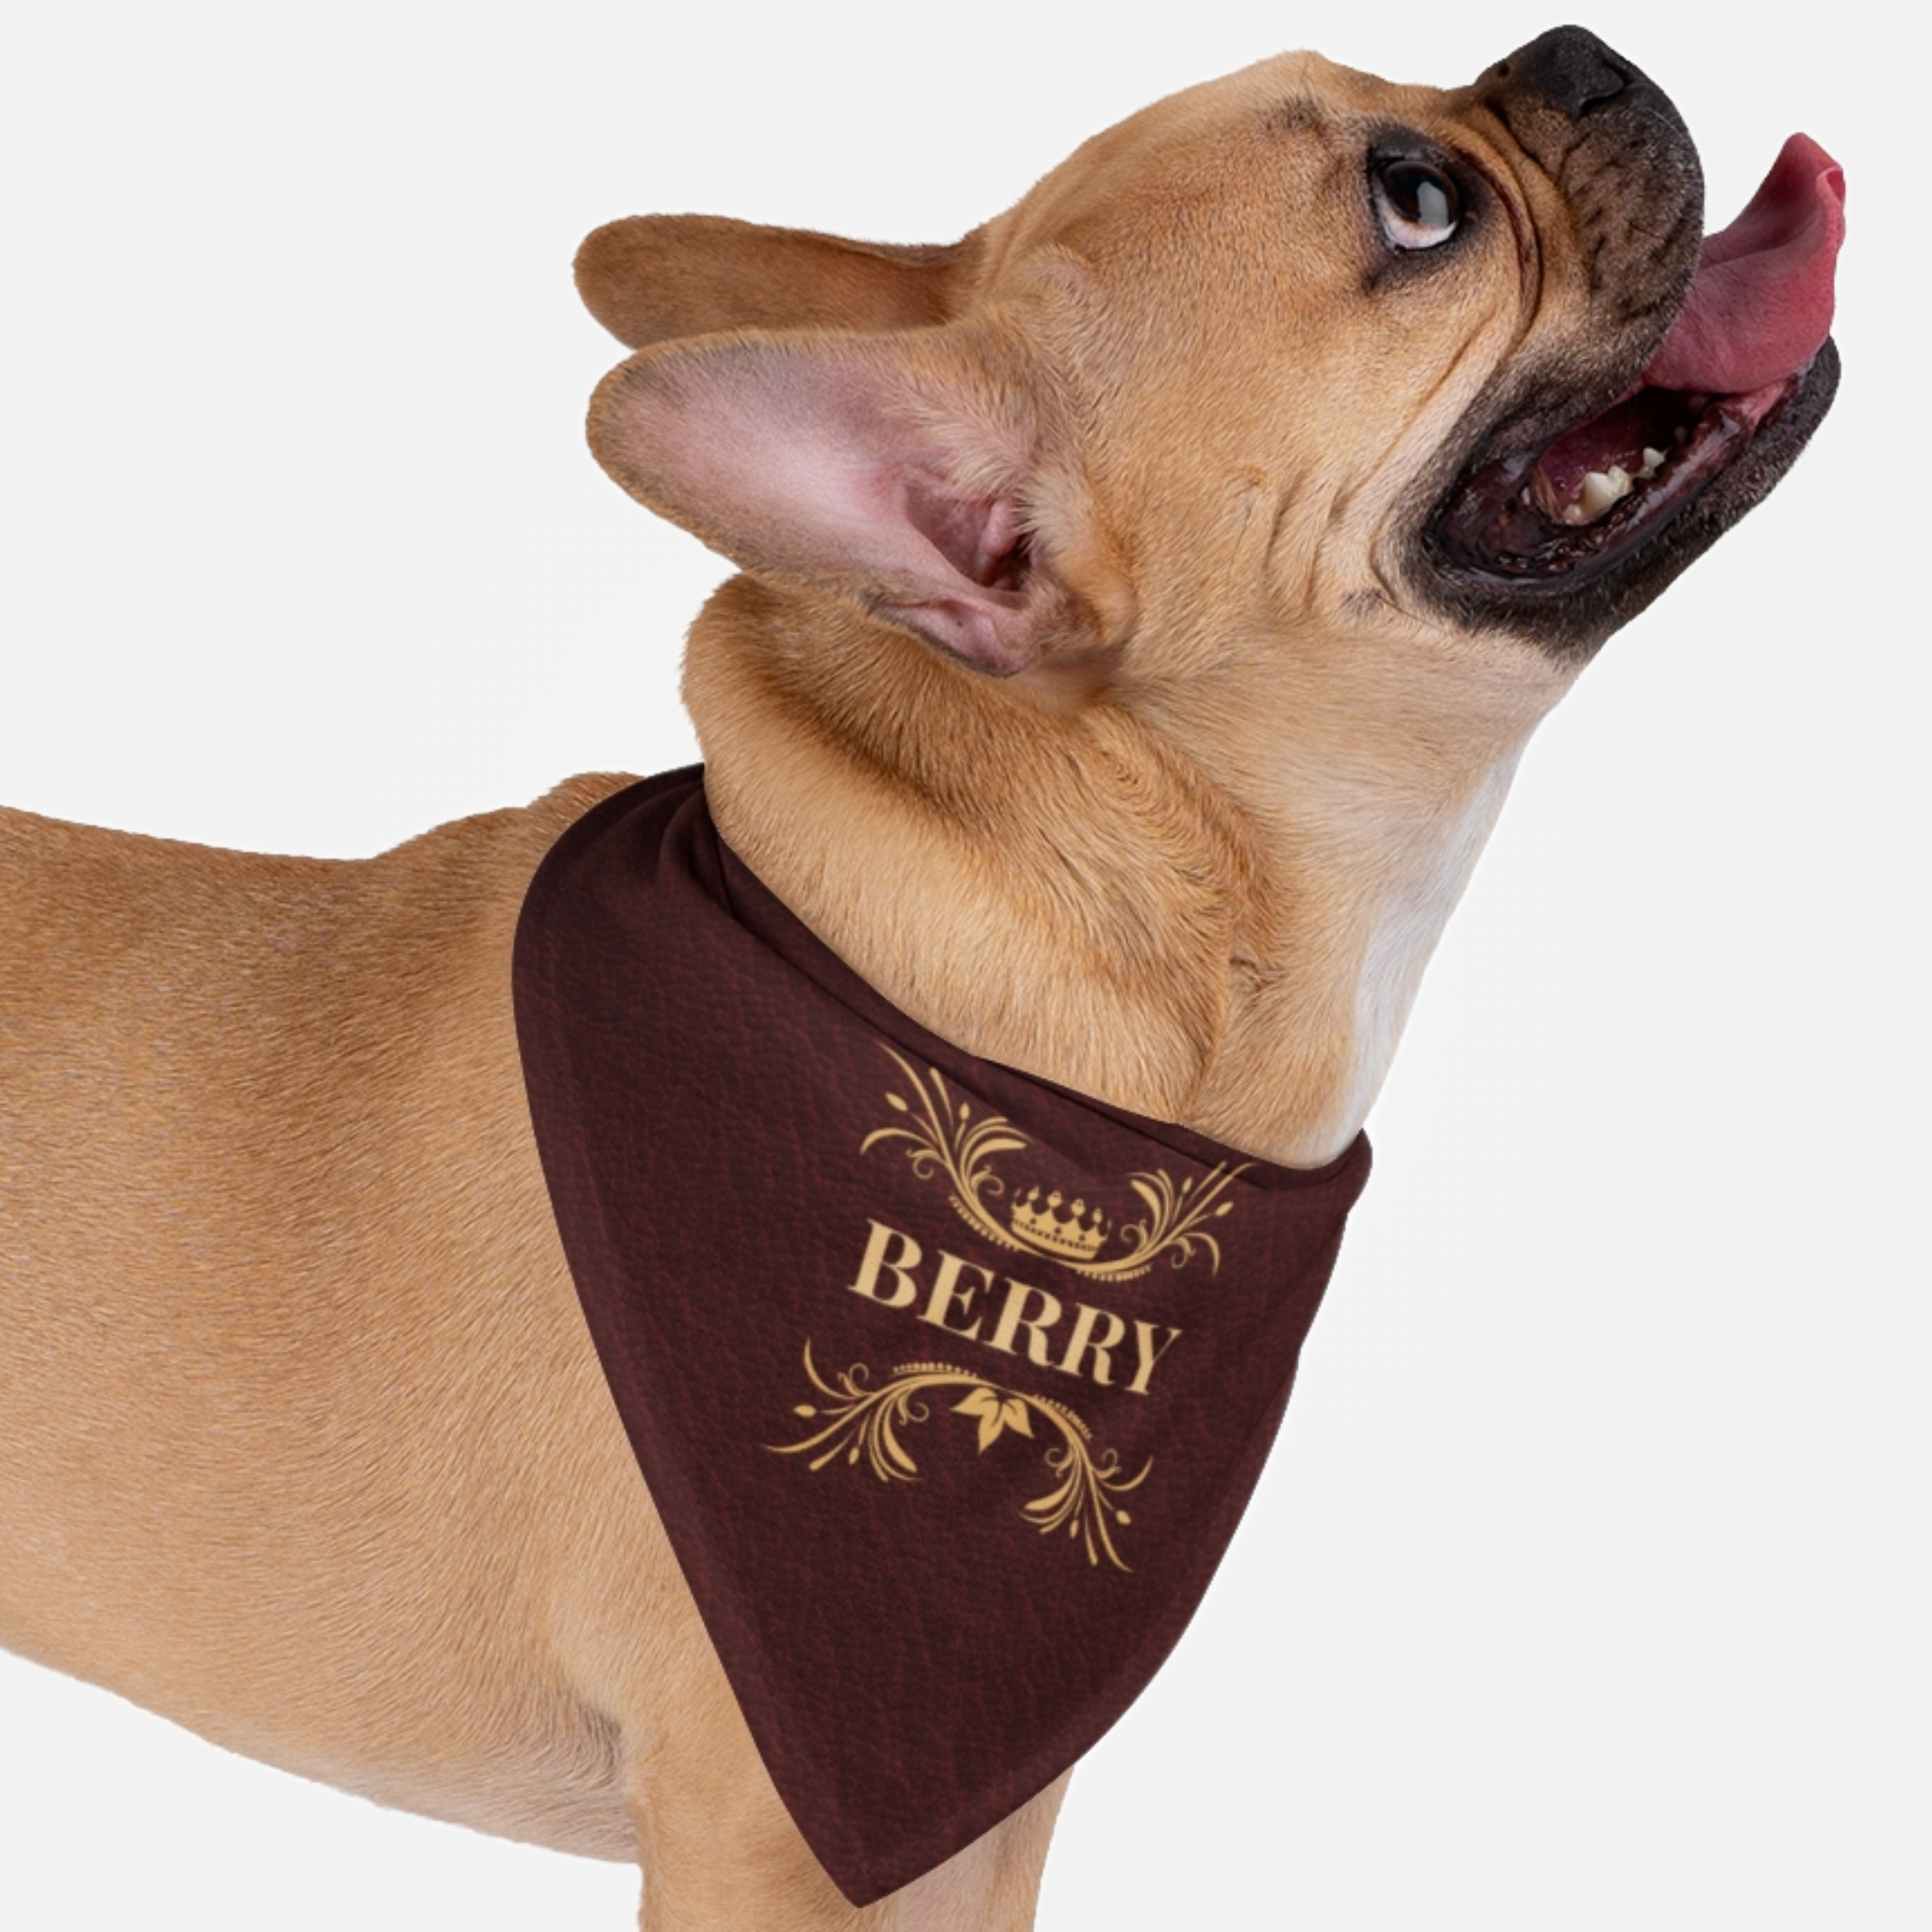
x,y
1146,600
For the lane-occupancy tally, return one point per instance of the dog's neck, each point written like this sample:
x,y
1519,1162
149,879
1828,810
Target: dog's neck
x,y
1209,901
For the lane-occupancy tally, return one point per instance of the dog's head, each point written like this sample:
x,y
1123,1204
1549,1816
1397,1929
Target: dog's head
x,y
1297,354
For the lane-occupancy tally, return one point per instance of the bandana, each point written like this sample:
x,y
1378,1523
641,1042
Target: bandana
x,y
949,1385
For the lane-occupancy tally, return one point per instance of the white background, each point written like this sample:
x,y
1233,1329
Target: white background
x,y
1588,1589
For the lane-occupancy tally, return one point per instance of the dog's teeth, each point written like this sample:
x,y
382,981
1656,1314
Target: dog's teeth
x,y
1601,489
1680,436
1653,463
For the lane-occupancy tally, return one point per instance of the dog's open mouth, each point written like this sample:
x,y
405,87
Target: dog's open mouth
x,y
1746,346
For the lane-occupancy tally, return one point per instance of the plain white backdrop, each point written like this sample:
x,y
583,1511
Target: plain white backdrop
x,y
1588,1589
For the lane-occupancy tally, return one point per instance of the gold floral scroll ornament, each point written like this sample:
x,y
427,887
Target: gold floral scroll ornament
x,y
945,1138
861,1421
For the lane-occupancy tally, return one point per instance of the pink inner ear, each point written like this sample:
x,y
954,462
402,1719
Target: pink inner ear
x,y
997,642
980,536
802,459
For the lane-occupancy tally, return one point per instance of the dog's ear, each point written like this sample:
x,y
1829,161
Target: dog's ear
x,y
654,277
915,473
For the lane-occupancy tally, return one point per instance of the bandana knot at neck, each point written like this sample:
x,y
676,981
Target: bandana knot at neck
x,y
949,1385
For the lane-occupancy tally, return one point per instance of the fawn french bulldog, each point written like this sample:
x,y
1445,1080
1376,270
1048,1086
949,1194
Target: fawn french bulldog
x,y
1144,603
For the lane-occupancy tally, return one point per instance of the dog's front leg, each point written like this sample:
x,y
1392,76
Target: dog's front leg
x,y
993,1886
721,1853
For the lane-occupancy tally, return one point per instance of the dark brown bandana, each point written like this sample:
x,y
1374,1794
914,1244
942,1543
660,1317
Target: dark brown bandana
x,y
950,1385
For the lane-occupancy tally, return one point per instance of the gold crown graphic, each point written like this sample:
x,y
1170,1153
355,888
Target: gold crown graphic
x,y
1071,1235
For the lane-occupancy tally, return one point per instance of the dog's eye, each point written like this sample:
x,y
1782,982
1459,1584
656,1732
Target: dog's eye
x,y
1418,207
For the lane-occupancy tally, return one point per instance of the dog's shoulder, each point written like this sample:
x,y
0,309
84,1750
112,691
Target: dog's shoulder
x,y
534,828
40,854
95,918
444,878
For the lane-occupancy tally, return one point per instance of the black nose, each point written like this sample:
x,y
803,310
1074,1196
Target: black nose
x,y
1569,68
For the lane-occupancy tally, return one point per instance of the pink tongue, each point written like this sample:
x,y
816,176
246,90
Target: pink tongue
x,y
1761,305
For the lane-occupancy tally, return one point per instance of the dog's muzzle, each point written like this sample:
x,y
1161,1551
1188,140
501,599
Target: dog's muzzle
x,y
1593,474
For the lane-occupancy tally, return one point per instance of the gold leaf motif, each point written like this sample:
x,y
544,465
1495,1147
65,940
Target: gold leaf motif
x,y
866,1420
945,1140
996,1413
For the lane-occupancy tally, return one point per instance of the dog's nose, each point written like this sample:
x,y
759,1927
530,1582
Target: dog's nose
x,y
1566,78
1566,68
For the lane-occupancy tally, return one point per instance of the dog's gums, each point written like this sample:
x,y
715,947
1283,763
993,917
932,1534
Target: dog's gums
x,y
1598,494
